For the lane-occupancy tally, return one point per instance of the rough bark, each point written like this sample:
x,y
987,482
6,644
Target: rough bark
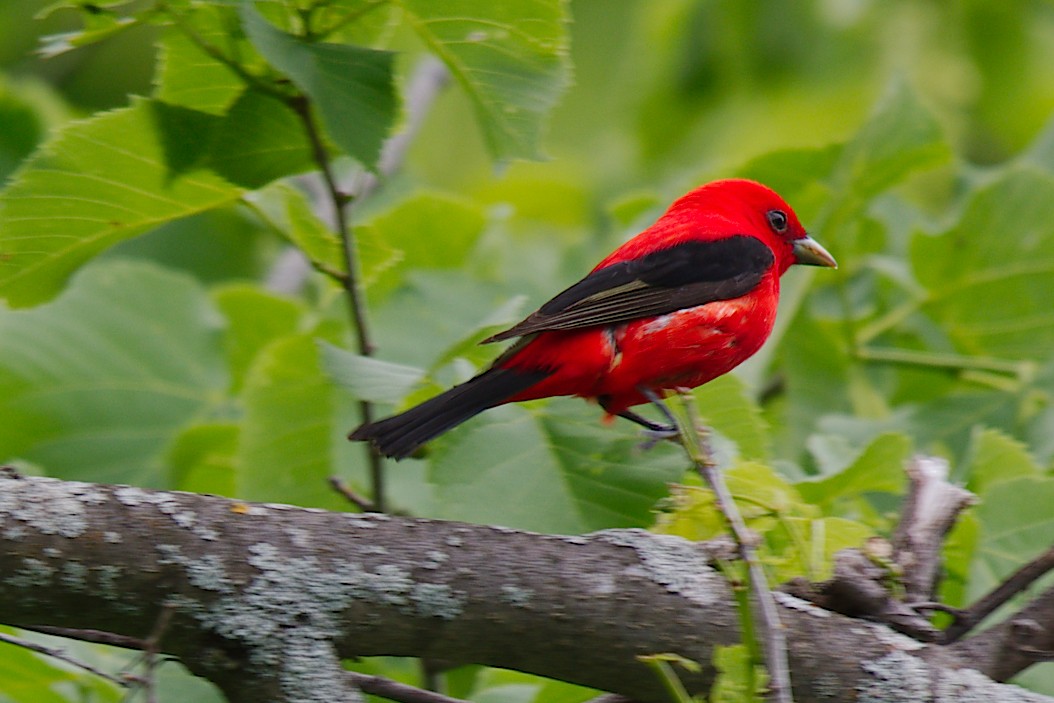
x,y
267,599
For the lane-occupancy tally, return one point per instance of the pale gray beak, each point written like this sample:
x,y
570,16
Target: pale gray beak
x,y
809,252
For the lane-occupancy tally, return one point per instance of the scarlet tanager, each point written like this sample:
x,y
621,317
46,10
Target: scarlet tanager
x,y
683,302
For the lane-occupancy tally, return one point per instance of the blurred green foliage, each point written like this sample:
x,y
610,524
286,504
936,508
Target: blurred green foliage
x,y
150,201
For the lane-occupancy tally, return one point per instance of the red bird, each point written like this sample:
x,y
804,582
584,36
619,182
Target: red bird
x,y
683,302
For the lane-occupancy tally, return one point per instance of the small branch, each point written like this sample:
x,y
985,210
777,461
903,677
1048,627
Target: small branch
x,y
361,502
966,620
351,283
61,655
395,691
153,648
428,81
694,438
931,508
94,636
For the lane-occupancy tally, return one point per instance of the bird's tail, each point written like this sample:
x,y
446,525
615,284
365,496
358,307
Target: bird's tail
x,y
401,435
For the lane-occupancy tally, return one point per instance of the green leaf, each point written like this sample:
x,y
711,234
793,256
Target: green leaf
x,y
988,276
353,87
258,141
100,27
901,137
203,458
511,58
995,457
24,125
254,319
736,671
28,677
724,405
1016,526
190,77
367,378
93,385
286,208
98,182
289,427
878,468
414,226
569,473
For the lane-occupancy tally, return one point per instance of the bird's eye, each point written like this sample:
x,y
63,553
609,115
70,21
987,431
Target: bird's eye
x,y
777,220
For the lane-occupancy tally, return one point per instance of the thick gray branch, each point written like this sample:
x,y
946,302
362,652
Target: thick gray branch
x,y
268,598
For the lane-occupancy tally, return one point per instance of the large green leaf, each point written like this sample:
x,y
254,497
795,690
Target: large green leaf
x,y
1016,525
352,87
369,379
254,319
567,471
289,428
94,384
96,183
511,58
989,276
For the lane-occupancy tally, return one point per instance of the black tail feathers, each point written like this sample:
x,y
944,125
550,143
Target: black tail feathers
x,y
401,435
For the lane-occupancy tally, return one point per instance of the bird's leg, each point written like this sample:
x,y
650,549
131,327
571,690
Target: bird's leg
x,y
656,400
653,431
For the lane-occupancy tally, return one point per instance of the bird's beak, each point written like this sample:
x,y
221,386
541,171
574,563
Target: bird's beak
x,y
809,252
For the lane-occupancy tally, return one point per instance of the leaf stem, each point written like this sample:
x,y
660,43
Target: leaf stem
x,y
695,440
943,360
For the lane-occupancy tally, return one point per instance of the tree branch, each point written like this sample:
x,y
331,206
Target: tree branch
x,y
266,599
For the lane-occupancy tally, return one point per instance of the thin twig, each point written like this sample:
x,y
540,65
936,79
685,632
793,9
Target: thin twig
x,y
153,642
61,655
351,283
966,620
393,690
361,502
427,82
696,443
95,636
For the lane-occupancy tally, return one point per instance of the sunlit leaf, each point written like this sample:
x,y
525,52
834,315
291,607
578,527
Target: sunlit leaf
x,y
96,183
187,75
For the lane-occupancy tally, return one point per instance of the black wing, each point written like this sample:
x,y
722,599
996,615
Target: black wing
x,y
682,276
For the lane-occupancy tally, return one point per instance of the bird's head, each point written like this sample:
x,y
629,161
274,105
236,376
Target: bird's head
x,y
741,206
